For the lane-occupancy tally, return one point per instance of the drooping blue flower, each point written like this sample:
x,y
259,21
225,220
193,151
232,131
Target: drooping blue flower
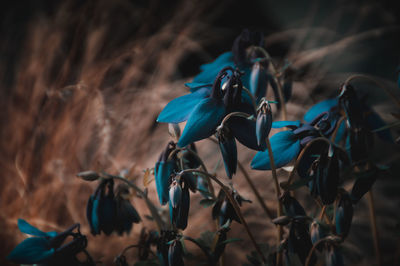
x,y
107,212
179,202
224,210
227,145
101,208
126,214
163,170
175,253
344,215
48,248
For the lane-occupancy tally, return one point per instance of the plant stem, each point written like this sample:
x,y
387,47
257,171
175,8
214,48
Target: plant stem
x,y
278,194
238,114
153,210
379,84
333,136
296,164
234,204
255,191
371,206
204,249
253,187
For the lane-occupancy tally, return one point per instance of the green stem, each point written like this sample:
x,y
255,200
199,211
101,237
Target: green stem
x,y
234,204
278,195
153,210
375,235
238,114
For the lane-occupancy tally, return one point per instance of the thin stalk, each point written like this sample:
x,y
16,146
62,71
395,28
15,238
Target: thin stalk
x,y
278,82
379,84
238,114
253,187
322,240
278,195
253,100
375,235
153,210
322,213
296,164
338,124
136,246
234,204
255,191
204,249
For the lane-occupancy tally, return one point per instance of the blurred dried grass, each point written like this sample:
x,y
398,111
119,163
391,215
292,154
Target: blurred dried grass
x,y
91,79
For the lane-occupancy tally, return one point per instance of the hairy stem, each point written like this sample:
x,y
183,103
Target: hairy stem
x,y
234,204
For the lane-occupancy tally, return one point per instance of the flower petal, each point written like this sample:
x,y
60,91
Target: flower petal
x,y
26,228
285,147
210,71
179,109
203,121
31,250
319,108
163,170
194,86
280,124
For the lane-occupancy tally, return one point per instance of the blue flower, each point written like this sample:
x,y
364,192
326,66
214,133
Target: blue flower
x,y
107,212
163,170
179,202
224,210
48,247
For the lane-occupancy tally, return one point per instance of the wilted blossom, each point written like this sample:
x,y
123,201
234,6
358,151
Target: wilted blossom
x,y
50,248
107,212
344,214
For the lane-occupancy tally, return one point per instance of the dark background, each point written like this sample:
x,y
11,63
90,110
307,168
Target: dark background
x,y
81,83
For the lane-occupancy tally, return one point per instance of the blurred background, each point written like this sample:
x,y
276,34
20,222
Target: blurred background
x,y
82,82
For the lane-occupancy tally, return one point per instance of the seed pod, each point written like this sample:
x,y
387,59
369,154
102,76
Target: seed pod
x,y
263,124
258,81
175,194
88,175
328,177
228,149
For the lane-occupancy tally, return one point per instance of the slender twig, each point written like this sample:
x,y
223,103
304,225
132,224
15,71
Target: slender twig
x,y
153,210
375,235
278,82
322,213
255,191
234,204
379,84
278,195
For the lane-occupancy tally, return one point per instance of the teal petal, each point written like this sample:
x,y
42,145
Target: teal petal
x,y
194,86
280,124
319,108
285,147
203,121
31,250
211,70
179,109
26,228
163,171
